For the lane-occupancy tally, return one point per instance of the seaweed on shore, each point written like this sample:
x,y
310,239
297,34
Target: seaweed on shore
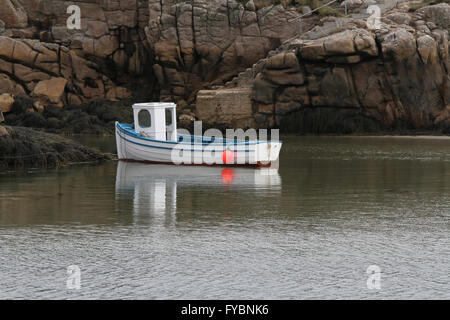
x,y
24,147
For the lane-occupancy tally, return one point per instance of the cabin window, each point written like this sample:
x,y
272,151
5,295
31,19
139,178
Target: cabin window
x,y
168,117
145,119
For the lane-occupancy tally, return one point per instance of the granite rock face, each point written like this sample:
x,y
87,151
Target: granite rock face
x,y
94,62
6,102
204,42
398,75
183,45
13,14
26,63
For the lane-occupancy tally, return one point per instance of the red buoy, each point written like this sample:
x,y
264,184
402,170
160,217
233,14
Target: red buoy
x,y
227,175
228,157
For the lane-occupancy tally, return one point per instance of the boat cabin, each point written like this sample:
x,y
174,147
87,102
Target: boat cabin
x,y
156,120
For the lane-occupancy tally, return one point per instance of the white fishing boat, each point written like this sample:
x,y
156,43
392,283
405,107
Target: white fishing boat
x,y
154,138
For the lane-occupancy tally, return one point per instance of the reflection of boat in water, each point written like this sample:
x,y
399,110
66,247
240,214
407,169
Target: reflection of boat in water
x,y
130,173
153,188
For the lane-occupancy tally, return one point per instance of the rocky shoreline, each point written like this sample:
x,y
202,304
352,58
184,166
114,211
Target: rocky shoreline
x,y
25,147
229,63
342,77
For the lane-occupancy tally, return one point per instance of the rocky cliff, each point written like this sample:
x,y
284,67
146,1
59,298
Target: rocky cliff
x,y
203,42
351,79
339,71
41,58
178,46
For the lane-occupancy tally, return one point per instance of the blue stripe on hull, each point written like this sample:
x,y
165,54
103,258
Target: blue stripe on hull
x,y
130,132
168,148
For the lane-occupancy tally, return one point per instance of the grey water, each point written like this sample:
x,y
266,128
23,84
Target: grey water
x,y
309,230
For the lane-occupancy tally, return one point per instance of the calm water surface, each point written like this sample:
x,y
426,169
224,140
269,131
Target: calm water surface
x,y
309,230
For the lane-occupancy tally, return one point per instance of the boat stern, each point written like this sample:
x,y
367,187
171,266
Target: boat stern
x,y
268,152
119,143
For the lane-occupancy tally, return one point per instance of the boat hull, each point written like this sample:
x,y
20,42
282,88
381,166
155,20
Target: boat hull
x,y
135,148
